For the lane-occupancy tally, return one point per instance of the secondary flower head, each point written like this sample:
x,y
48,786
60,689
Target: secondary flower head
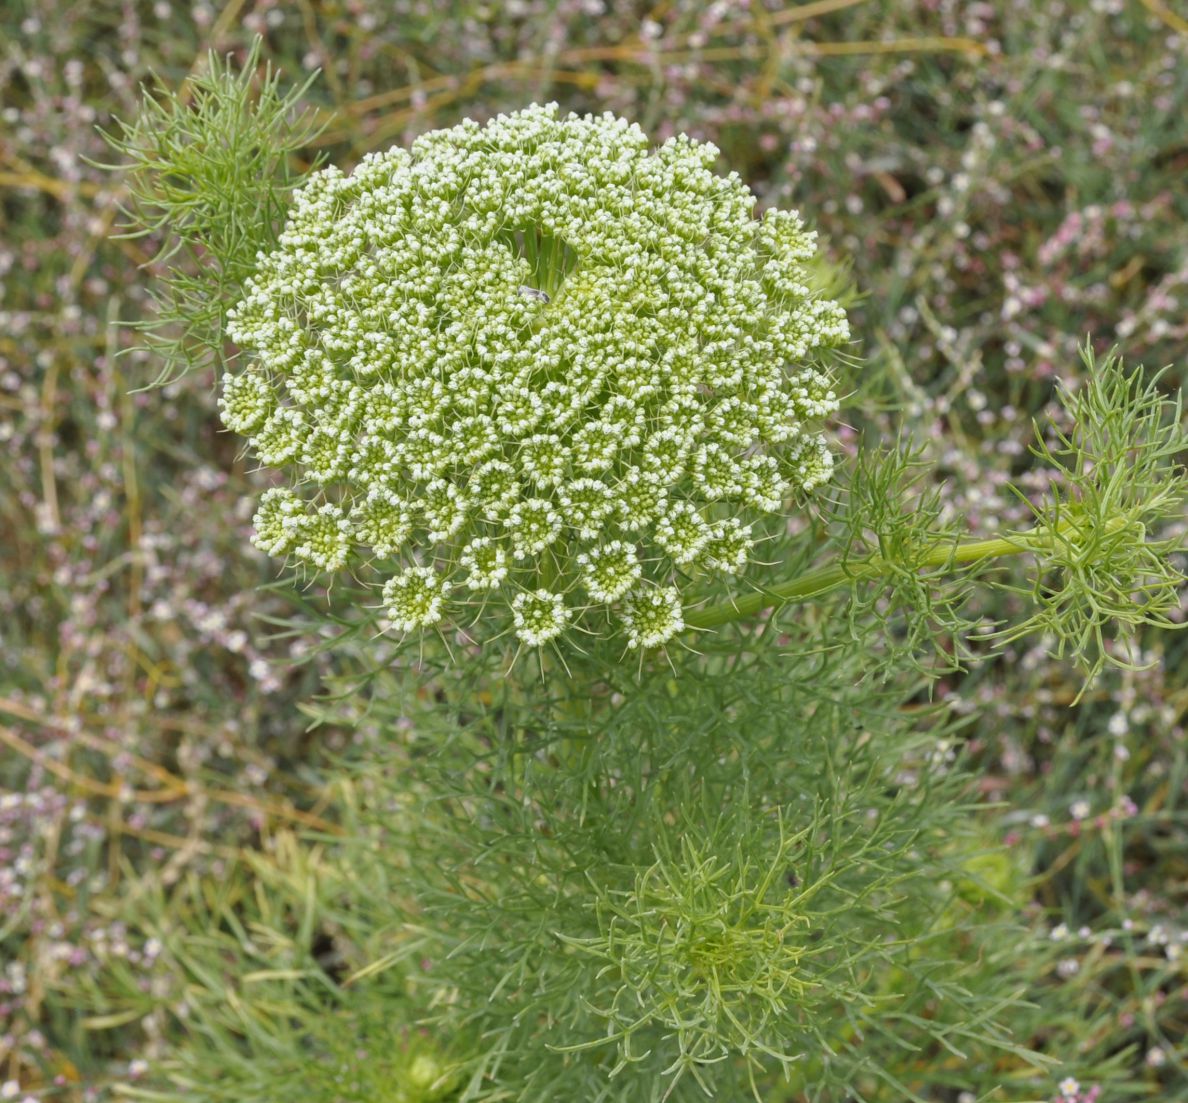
x,y
538,366
653,617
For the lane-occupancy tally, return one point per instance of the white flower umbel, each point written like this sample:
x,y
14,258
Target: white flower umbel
x,y
653,616
541,355
609,572
276,521
323,537
414,597
539,616
485,562
246,402
729,546
381,521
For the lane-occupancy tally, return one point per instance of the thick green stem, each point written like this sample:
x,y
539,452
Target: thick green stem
x,y
822,579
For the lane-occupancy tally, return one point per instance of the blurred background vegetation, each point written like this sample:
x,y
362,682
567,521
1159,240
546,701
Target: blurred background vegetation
x,y
1002,177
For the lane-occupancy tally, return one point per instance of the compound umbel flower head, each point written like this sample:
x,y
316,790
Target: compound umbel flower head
x,y
538,368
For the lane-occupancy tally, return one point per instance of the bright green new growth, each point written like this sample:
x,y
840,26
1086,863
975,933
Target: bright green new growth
x,y
208,168
708,949
535,373
1102,567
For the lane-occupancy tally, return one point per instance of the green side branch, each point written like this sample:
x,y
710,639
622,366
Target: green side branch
x,y
944,556
1107,547
832,576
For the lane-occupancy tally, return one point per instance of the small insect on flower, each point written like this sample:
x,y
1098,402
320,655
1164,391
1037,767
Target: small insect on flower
x,y
614,437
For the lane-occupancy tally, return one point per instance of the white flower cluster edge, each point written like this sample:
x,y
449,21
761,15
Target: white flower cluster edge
x,y
536,366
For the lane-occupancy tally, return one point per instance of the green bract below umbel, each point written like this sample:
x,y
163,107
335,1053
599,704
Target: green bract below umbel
x,y
535,373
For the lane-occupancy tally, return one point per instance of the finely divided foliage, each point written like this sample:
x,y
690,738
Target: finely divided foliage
x,y
542,371
535,367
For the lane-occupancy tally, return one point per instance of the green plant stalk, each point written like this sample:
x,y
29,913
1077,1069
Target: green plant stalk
x,y
831,576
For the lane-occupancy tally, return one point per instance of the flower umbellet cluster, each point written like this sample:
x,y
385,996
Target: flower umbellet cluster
x,y
537,366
